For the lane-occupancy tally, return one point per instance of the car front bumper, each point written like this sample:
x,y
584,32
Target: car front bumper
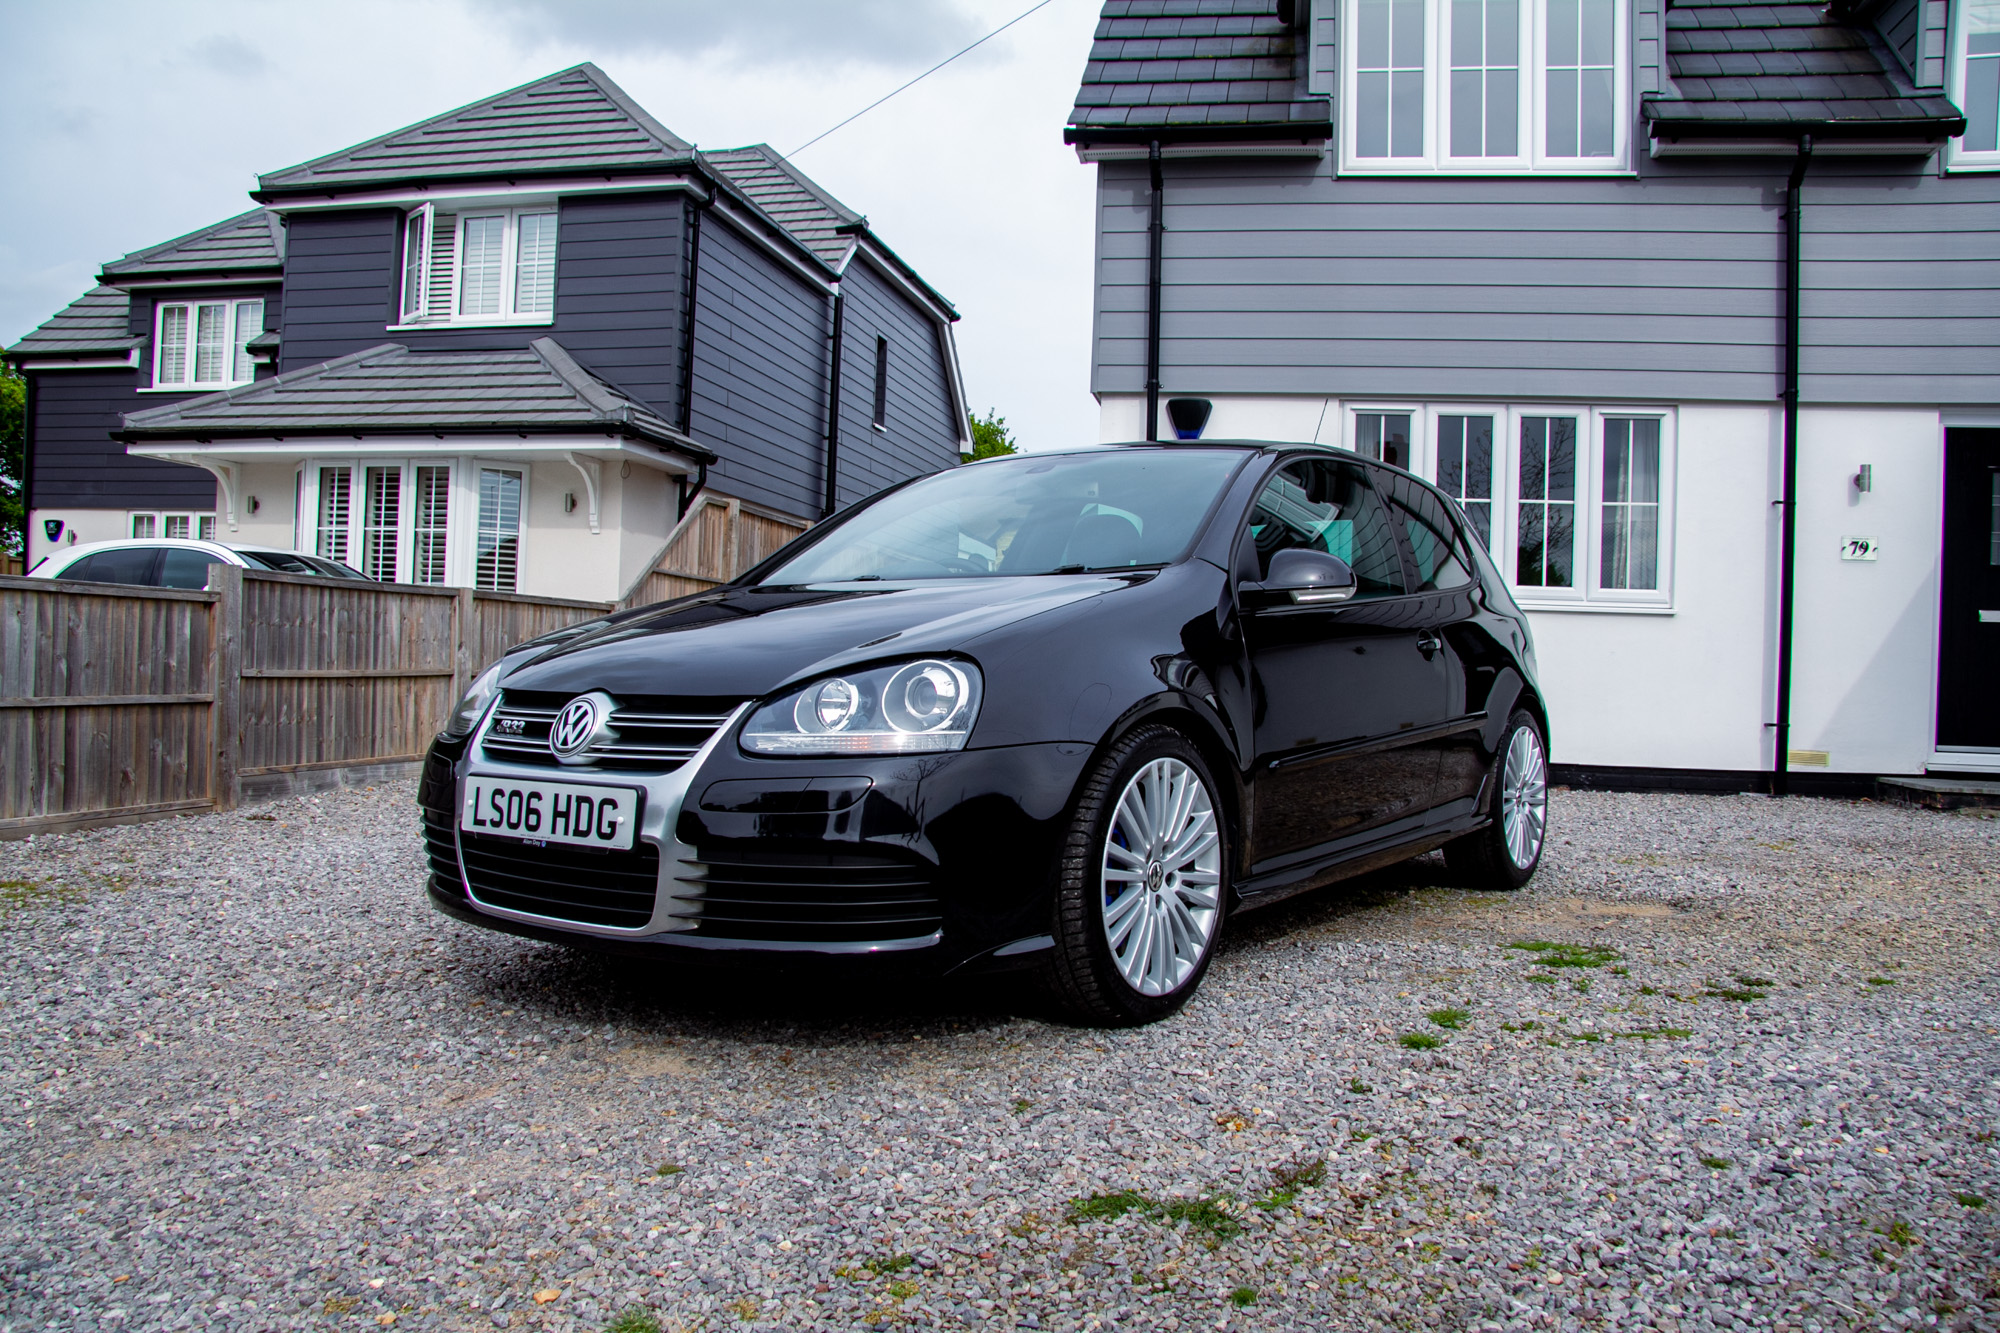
x,y
934,862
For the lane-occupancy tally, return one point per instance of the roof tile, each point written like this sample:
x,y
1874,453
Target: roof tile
x,y
93,323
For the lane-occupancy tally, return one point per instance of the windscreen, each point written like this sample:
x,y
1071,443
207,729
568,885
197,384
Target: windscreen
x,y
1053,514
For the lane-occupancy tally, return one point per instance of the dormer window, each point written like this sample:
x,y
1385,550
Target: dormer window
x,y
1484,86
200,345
478,266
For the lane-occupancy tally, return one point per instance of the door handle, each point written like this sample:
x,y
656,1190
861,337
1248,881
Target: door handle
x,y
1428,643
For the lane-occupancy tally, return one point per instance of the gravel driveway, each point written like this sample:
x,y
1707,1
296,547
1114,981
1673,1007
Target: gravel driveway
x,y
252,1082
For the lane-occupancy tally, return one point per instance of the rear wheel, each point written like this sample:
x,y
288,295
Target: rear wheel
x,y
1142,888
1505,853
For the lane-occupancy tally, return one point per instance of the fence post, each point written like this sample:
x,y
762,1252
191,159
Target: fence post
x,y
464,664
735,540
225,715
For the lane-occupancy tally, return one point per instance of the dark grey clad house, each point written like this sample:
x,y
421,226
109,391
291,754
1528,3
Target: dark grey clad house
x,y
501,348
1542,251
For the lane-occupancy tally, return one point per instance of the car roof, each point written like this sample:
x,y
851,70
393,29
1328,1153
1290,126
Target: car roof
x,y
149,543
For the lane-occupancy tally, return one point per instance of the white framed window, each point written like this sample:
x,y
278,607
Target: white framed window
x,y
203,345
1974,83
155,523
496,557
478,266
1387,432
1485,86
389,518
1574,502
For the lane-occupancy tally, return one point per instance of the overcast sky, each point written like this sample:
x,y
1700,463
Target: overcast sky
x,y
125,124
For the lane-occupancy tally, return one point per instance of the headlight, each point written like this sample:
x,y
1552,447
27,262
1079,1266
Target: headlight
x,y
913,708
465,717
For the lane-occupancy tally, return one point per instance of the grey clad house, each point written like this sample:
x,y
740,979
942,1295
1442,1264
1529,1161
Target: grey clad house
x,y
1695,306
502,348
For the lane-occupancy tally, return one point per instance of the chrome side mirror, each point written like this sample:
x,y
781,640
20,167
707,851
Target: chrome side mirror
x,y
1303,577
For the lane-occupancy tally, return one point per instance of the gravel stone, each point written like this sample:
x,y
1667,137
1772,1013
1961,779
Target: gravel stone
x,y
252,1082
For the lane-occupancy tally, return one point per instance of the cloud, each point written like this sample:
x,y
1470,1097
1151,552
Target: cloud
x,y
878,32
228,55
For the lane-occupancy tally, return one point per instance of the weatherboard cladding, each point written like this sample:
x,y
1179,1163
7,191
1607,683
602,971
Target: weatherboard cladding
x,y
920,433
1186,63
248,241
98,322
788,198
390,390
1282,279
79,466
1784,64
760,373
618,284
575,121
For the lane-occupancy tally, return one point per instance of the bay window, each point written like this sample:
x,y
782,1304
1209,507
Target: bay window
x,y
203,345
479,266
1485,85
1575,504
1975,83
414,521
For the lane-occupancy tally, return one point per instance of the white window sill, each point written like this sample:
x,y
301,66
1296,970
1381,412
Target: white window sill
x,y
1972,166
194,388
1598,608
1469,170
494,322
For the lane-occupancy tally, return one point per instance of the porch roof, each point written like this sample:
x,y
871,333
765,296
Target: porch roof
x,y
390,390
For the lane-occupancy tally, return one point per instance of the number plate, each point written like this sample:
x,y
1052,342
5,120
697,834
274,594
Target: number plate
x,y
545,812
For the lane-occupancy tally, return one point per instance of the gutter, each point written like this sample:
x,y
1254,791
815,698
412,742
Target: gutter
x,y
1156,231
1781,752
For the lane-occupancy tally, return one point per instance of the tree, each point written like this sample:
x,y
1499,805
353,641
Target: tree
x,y
13,457
989,437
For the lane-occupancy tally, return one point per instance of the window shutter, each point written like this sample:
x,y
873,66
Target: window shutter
x,y
444,243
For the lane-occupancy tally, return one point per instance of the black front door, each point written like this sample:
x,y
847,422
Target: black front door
x,y
1347,698
1969,637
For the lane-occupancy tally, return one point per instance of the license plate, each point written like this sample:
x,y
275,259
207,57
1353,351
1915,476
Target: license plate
x,y
545,812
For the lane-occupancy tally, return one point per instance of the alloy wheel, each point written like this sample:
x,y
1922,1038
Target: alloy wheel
x,y
1162,877
1524,798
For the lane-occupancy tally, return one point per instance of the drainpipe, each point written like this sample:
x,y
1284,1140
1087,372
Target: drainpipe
x,y
687,314
1781,757
685,417
833,409
1156,235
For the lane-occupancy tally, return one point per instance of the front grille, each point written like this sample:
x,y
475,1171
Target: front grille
x,y
569,883
830,899
653,736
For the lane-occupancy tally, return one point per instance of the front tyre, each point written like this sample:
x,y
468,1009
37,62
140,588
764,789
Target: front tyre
x,y
1142,888
1505,853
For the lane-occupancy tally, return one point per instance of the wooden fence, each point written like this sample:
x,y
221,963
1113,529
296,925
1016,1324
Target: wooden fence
x,y
122,703
719,539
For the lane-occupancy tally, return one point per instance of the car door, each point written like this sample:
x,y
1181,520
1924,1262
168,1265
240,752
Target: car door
x,y
1339,692
1441,571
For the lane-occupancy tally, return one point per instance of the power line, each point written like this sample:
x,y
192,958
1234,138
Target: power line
x,y
920,78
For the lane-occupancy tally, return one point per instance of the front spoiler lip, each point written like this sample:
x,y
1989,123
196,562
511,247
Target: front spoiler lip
x,y
558,931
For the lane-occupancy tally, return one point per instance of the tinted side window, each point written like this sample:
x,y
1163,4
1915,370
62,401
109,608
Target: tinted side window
x,y
187,569
1442,560
132,565
1328,506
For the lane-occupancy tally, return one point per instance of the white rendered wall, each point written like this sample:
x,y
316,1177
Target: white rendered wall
x,y
560,555
1690,688
1687,689
79,525
1864,659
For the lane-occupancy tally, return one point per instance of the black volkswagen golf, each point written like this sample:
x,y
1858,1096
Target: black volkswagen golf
x,y
1065,712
